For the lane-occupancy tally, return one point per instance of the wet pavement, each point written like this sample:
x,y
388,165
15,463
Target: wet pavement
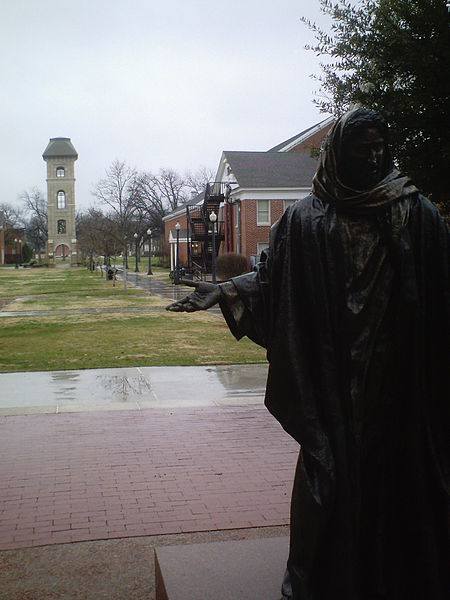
x,y
133,388
83,476
164,288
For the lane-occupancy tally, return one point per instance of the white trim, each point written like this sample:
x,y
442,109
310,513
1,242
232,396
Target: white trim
x,y
270,194
173,239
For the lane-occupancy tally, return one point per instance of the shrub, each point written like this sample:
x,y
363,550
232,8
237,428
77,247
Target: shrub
x,y
230,265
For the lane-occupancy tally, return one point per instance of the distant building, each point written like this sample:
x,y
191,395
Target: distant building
x,y
12,240
250,193
60,156
261,186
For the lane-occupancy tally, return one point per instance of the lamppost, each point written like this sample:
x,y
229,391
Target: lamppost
x,y
20,252
136,240
17,252
213,219
177,255
149,234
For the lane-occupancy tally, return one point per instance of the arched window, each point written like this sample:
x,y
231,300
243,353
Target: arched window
x,y
61,226
61,199
60,172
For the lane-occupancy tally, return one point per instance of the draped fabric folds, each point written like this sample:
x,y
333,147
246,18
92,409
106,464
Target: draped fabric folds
x,y
352,305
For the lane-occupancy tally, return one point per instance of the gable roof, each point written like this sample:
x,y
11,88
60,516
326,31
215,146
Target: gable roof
x,y
302,136
181,209
60,147
272,169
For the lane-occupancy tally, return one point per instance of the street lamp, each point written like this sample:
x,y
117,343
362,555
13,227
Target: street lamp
x,y
136,240
213,219
177,255
17,252
20,253
149,233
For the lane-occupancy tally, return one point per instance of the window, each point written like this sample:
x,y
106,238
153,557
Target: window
x,y
61,199
260,246
287,203
60,172
263,212
61,226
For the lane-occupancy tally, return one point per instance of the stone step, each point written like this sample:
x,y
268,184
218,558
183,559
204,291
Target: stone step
x,y
234,570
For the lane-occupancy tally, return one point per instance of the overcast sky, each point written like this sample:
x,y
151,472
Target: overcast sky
x,y
157,83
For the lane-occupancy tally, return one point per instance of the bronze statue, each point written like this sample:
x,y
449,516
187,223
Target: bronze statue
x,y
352,303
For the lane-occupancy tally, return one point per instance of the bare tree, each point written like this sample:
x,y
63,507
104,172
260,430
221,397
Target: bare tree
x,y
164,191
196,182
91,229
119,192
12,216
35,205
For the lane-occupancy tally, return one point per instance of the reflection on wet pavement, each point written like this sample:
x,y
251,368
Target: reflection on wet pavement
x,y
165,289
131,388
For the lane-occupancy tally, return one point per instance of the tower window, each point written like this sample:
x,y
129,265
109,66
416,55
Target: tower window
x,y
61,226
61,199
60,172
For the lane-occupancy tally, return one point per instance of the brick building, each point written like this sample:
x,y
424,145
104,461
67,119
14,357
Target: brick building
x,y
179,217
12,240
250,193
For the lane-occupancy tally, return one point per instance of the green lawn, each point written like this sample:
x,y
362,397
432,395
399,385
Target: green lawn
x,y
80,338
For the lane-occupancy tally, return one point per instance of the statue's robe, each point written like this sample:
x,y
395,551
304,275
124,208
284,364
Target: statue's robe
x,y
354,313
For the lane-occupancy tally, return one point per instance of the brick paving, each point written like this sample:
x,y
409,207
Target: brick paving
x,y
103,475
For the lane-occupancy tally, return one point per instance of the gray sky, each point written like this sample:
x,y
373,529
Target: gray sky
x,y
157,83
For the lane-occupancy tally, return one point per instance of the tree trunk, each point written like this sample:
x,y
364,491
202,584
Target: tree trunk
x,y
125,266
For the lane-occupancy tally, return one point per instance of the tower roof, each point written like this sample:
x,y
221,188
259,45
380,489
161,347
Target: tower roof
x,y
60,146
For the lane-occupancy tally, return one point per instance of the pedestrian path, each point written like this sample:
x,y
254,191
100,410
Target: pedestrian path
x,y
132,388
163,288
100,475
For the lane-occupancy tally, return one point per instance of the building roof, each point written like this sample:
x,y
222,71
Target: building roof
x,y
198,199
60,147
272,169
302,136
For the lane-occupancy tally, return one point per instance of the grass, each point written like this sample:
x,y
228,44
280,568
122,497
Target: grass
x,y
79,339
157,264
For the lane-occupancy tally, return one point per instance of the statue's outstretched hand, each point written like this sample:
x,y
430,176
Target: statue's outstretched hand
x,y
203,297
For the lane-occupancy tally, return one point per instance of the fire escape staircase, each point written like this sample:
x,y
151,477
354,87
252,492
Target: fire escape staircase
x,y
200,230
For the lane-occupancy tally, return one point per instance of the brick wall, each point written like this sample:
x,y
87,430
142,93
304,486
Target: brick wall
x,y
312,143
9,246
252,233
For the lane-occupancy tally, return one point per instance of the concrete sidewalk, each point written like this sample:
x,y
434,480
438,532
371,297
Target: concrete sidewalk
x,y
133,388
